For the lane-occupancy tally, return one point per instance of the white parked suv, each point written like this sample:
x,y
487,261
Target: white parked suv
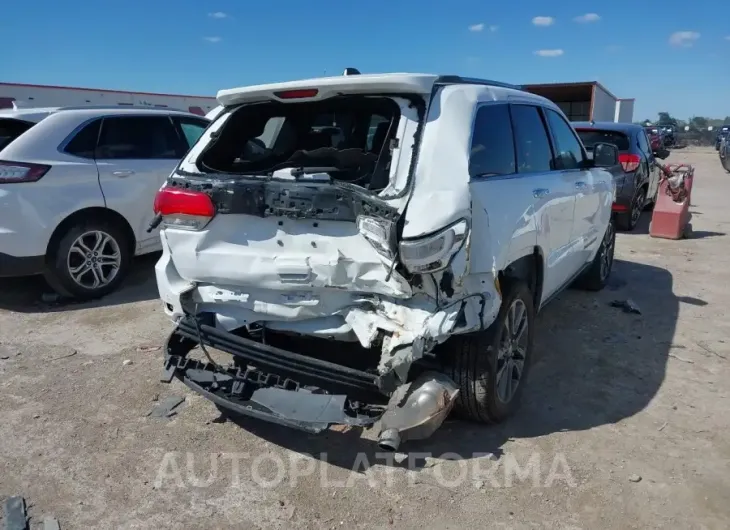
x,y
77,187
382,254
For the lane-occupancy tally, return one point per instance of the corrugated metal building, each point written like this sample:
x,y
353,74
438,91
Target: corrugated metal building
x,y
586,101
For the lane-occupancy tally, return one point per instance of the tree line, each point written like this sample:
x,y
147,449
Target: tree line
x,y
696,123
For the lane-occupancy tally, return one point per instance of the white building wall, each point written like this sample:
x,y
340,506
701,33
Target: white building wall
x,y
624,111
604,105
44,96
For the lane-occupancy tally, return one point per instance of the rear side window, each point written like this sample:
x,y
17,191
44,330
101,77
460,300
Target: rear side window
x,y
568,151
192,129
492,146
83,144
10,129
138,138
591,137
531,140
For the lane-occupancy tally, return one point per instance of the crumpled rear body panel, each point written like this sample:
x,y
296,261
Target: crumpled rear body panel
x,y
283,255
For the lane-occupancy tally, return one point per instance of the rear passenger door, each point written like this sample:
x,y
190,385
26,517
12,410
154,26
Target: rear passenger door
x,y
134,157
501,198
518,201
570,162
553,195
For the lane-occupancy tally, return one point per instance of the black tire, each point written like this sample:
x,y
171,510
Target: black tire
x,y
596,276
650,205
628,221
473,363
61,259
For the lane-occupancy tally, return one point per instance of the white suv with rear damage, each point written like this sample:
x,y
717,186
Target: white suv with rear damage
x,y
375,248
77,187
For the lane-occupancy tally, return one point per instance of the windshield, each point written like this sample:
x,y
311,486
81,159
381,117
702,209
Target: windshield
x,y
591,137
10,129
348,137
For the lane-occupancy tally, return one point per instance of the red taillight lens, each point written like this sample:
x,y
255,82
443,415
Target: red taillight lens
x,y
297,94
11,172
185,209
629,162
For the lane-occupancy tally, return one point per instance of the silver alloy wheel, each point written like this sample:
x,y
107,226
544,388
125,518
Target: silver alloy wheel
x,y
606,251
512,351
94,259
637,206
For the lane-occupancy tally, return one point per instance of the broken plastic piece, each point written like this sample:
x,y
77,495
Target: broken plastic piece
x,y
628,306
14,513
165,407
50,523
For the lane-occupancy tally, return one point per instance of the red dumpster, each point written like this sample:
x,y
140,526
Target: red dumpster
x,y
671,216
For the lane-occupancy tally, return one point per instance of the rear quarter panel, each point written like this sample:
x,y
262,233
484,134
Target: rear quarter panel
x,y
32,211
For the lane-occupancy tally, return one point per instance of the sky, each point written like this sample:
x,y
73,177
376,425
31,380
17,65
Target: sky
x,y
668,58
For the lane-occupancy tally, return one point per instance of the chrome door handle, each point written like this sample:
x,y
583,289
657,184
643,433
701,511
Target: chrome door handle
x,y
581,185
540,192
123,173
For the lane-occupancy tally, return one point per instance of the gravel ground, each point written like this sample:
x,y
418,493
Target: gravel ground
x,y
624,423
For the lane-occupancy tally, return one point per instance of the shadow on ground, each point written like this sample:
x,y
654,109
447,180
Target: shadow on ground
x,y
33,295
594,365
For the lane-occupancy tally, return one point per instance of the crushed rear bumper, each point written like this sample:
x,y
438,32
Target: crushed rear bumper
x,y
273,384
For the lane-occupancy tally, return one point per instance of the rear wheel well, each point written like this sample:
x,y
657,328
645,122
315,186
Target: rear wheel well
x,y
98,214
528,269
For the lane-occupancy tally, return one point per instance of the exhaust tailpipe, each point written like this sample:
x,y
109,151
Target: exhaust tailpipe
x,y
415,411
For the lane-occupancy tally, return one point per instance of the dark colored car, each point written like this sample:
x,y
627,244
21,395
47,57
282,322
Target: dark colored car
x,y
725,153
655,136
670,135
722,133
637,178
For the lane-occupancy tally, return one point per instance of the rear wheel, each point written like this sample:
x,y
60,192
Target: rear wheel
x,y
650,205
596,276
491,367
627,221
89,261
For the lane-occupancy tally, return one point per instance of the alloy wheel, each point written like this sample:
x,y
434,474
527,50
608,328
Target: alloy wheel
x,y
512,352
637,206
94,259
606,251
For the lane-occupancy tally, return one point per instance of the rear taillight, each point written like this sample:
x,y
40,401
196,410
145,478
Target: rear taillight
x,y
184,209
11,172
629,162
434,252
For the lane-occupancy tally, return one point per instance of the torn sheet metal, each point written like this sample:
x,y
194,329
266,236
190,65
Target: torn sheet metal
x,y
283,254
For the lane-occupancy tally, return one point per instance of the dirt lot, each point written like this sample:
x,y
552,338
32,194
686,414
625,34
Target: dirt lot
x,y
625,422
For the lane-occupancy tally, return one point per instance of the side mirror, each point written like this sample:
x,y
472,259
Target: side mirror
x,y
605,155
661,153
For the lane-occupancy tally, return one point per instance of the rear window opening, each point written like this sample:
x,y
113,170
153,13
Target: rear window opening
x,y
348,137
11,129
591,137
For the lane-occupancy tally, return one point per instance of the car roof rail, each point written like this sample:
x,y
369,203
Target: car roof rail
x,y
117,107
459,80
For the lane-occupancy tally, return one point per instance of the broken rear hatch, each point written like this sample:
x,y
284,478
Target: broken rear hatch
x,y
305,199
285,218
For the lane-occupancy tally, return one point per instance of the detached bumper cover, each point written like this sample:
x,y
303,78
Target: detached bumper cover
x,y
274,384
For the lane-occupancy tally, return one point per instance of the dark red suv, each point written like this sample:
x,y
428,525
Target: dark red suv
x,y
656,139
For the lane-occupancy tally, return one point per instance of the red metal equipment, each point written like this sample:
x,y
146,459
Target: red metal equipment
x,y
671,216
